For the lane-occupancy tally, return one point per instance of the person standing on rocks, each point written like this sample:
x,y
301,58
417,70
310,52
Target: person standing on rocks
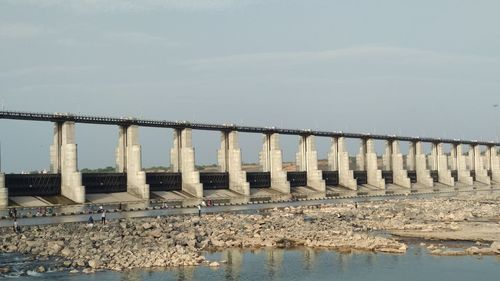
x,y
103,216
17,229
199,210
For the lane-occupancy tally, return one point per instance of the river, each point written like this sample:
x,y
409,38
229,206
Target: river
x,y
293,264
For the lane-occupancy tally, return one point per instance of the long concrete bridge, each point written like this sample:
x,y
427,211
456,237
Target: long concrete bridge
x,y
413,172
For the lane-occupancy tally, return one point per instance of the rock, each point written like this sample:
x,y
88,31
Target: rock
x,y
147,226
74,271
5,269
93,263
495,247
214,264
88,270
40,269
66,252
67,263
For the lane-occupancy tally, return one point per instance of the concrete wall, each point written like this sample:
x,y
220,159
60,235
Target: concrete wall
x,y
182,157
338,160
307,160
229,159
63,159
271,161
4,194
129,160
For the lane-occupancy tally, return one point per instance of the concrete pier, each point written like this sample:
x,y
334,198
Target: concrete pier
x,y
481,172
338,160
129,160
229,159
494,164
4,193
271,161
183,161
63,160
441,160
307,160
461,165
368,155
394,162
423,173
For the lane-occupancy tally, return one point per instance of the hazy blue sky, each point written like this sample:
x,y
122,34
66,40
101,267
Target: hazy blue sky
x,y
427,68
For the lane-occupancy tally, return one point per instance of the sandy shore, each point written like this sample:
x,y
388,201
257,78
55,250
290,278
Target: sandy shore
x,y
181,240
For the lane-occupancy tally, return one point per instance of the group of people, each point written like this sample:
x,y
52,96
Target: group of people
x,y
102,211
13,216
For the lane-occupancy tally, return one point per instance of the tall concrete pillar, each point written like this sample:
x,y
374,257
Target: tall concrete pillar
x,y
64,160
494,164
410,158
481,172
271,161
183,161
129,160
453,159
387,156
423,174
338,160
444,172
307,160
374,175
486,158
229,158
361,157
462,170
4,193
399,174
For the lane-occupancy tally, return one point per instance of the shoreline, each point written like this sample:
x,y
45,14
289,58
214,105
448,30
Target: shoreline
x,y
181,240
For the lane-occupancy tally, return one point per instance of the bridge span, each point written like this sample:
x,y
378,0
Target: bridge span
x,y
412,172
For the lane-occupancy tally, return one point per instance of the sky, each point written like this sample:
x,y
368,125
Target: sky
x,y
416,68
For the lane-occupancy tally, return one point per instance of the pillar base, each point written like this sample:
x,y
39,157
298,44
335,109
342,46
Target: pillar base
x,y
464,178
316,182
4,198
495,176
237,184
401,178
139,187
483,177
373,173
191,184
74,193
280,183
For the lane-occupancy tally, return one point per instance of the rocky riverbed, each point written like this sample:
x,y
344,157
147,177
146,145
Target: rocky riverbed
x,y
181,240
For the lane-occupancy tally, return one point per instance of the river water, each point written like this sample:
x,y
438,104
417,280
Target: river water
x,y
295,264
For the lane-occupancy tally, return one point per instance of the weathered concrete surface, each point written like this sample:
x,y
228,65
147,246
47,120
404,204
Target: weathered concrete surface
x,y
394,161
481,172
271,161
462,170
183,161
129,160
440,163
307,160
229,159
423,173
495,164
4,193
373,173
64,160
338,160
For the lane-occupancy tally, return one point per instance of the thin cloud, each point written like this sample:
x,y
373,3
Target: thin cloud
x,y
21,31
396,55
135,6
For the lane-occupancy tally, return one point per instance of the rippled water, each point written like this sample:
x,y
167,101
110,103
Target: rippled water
x,y
297,264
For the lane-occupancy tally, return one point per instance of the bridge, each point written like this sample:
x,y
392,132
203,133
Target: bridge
x,y
412,172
